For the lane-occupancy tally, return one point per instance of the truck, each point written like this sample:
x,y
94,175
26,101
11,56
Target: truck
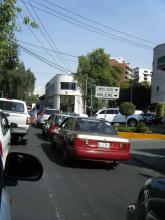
x,y
17,112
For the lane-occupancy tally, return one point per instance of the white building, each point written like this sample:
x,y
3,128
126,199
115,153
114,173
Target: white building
x,y
158,77
142,75
63,93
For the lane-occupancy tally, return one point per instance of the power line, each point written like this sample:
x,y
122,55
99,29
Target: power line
x,y
65,69
38,50
100,24
50,63
36,37
51,42
88,27
35,45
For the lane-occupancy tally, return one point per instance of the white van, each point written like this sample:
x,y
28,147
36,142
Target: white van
x,y
16,111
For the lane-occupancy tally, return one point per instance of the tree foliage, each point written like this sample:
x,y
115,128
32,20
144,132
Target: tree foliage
x,y
127,108
15,80
160,110
18,82
138,93
8,45
94,69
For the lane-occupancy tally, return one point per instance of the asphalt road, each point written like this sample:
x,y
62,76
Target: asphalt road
x,y
85,190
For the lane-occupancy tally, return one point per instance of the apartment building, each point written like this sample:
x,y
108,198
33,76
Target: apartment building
x,y
142,75
126,70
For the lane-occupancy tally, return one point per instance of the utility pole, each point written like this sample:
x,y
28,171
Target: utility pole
x,y
91,98
131,98
86,91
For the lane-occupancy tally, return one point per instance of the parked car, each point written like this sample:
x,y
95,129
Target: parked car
x,y
43,115
90,139
114,116
17,113
150,204
18,166
149,117
53,122
5,137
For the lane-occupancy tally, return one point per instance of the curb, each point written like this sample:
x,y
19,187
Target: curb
x,y
140,135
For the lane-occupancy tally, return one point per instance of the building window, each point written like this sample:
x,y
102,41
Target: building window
x,y
68,85
157,88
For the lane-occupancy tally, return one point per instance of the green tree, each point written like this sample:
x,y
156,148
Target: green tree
x,y
134,91
127,108
160,110
95,69
14,82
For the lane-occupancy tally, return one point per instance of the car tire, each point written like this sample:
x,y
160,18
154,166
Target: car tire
x,y
132,122
66,158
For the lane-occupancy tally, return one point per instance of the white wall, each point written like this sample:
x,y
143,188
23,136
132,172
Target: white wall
x,y
53,91
158,78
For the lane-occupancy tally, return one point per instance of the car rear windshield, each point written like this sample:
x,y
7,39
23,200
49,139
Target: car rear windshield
x,y
12,106
60,119
94,126
50,111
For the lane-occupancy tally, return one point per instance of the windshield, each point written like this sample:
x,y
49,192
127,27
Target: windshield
x,y
50,111
12,106
95,126
60,119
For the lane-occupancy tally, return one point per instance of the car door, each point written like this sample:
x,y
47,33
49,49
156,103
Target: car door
x,y
110,115
102,114
4,136
5,213
65,132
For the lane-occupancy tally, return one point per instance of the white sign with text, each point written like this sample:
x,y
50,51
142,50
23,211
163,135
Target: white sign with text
x,y
107,92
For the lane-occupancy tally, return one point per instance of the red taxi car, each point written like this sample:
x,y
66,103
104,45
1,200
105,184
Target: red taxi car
x,y
90,139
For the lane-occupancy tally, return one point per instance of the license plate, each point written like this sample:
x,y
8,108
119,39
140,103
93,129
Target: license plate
x,y
103,145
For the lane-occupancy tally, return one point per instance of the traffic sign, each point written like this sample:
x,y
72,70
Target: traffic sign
x,y
107,92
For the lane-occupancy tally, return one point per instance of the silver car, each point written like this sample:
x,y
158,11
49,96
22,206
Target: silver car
x,y
12,173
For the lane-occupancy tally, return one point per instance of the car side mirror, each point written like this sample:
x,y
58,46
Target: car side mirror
x,y
21,166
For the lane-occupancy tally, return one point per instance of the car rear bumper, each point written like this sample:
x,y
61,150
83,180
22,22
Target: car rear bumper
x,y
20,130
90,154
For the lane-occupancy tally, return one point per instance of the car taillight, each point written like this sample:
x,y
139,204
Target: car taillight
x,y
1,152
28,121
124,146
79,142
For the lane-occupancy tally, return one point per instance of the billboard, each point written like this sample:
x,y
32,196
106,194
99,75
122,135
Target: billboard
x,y
107,92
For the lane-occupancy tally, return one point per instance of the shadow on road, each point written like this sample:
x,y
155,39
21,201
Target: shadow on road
x,y
157,151
154,162
55,155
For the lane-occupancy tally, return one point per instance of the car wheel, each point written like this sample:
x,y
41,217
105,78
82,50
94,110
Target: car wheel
x,y
66,158
132,122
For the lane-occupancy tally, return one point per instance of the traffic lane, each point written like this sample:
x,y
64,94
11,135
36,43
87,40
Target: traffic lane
x,y
150,152
85,190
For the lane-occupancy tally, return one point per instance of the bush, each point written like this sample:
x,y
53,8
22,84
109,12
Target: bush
x,y
127,129
160,110
140,128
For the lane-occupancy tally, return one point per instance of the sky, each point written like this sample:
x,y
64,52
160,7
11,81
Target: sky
x,y
129,29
